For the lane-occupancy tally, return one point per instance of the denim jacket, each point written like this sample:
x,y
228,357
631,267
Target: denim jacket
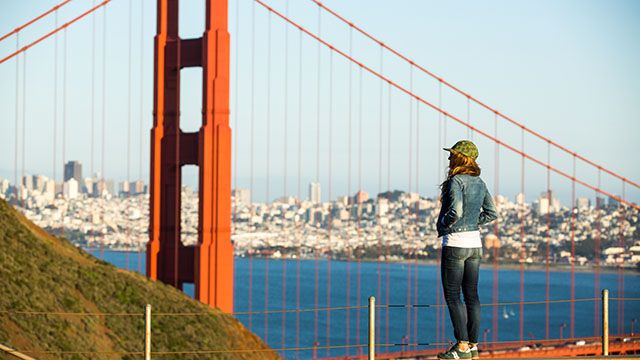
x,y
466,204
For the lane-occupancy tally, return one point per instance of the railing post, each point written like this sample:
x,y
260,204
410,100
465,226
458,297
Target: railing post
x,y
372,328
147,332
605,322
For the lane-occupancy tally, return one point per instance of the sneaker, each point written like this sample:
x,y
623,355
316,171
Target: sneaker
x,y
455,353
474,352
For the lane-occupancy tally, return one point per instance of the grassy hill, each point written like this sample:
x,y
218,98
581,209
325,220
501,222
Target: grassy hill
x,y
41,273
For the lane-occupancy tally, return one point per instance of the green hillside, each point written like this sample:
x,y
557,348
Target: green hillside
x,y
41,273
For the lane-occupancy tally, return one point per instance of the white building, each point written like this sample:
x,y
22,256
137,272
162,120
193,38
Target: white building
x,y
543,206
241,196
70,189
583,203
314,192
49,190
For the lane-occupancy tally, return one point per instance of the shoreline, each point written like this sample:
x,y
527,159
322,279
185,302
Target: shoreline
x,y
483,264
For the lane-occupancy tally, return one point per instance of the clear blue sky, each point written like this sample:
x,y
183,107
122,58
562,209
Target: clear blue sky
x,y
567,69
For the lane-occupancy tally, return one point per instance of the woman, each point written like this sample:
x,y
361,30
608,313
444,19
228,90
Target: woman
x,y
466,204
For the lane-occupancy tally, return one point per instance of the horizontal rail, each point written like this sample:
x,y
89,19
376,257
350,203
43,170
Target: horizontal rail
x,y
306,348
302,310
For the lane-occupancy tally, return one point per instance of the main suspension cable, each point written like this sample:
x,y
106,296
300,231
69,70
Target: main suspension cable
x,y
446,114
470,97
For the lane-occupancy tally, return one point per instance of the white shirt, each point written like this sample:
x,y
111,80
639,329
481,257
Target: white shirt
x,y
464,239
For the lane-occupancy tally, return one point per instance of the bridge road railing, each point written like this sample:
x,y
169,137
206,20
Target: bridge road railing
x,y
372,348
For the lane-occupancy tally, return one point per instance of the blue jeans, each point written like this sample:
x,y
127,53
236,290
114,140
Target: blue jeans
x,y
459,269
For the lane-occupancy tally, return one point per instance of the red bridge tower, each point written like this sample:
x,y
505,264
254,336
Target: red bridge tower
x,y
209,264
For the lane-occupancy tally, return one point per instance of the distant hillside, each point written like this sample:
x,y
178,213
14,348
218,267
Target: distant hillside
x,y
41,273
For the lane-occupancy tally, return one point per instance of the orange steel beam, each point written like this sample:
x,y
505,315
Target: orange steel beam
x,y
208,264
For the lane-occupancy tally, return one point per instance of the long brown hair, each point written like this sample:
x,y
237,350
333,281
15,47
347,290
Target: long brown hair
x,y
461,164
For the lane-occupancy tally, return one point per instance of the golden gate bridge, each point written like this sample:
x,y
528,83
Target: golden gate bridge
x,y
372,92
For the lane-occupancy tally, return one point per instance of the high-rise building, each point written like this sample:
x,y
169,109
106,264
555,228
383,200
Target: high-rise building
x,y
546,203
27,183
241,196
73,169
39,182
49,190
70,189
360,197
138,187
4,187
314,192
583,203
124,187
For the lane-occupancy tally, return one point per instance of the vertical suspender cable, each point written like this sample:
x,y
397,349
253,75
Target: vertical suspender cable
x,y
574,209
251,162
378,215
620,306
141,120
439,311
316,282
329,193
268,175
64,116
410,225
417,233
596,258
548,252
64,109
55,107
284,185
349,202
24,127
521,207
102,188
129,103
236,108
387,235
236,113
359,204
93,110
496,231
17,193
299,223
93,84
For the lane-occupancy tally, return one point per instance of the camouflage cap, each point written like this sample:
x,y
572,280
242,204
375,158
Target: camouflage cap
x,y
464,147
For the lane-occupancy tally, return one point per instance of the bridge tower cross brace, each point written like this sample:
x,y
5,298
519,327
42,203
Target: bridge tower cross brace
x,y
208,264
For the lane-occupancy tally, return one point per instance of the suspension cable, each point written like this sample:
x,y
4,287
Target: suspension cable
x,y
444,113
20,28
56,30
470,97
